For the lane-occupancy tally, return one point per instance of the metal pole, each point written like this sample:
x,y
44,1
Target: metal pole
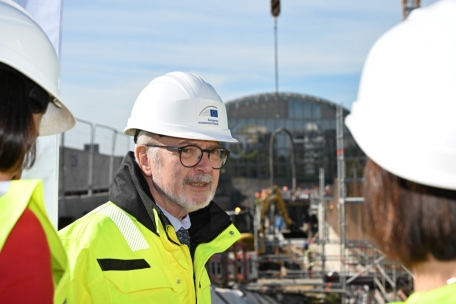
x,y
92,137
128,140
321,220
111,162
256,224
341,193
271,160
271,219
276,59
62,167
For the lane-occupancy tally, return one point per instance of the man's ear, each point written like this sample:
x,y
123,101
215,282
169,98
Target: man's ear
x,y
143,160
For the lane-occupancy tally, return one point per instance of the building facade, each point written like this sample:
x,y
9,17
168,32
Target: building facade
x,y
312,124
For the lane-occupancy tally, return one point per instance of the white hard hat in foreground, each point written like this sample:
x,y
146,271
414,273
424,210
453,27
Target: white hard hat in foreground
x,y
405,116
26,48
181,105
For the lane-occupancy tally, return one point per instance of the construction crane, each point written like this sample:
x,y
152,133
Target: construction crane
x,y
408,6
273,195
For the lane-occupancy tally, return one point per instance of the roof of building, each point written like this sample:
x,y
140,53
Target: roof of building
x,y
281,96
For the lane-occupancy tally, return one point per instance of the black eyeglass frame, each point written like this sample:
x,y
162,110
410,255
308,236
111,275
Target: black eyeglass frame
x,y
180,149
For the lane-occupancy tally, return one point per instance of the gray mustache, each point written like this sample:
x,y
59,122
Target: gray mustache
x,y
200,179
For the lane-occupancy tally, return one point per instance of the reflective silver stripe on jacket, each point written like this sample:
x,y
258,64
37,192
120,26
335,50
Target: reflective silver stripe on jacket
x,y
130,232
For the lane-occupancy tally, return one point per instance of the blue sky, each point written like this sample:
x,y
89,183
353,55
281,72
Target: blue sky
x,y
112,49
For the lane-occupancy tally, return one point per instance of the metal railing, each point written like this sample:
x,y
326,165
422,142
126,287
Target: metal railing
x,y
91,155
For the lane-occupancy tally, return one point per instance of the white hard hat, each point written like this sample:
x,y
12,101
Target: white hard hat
x,y
181,105
404,118
26,48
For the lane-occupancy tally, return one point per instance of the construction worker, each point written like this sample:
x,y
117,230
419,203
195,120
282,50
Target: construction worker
x,y
404,120
151,242
309,259
33,263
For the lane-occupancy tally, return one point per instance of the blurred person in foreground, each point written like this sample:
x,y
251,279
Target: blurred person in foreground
x,y
404,120
151,242
33,263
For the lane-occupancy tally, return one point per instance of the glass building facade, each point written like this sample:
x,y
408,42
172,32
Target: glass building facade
x,y
312,123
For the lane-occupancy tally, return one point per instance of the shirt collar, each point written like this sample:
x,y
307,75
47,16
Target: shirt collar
x,y
177,224
4,186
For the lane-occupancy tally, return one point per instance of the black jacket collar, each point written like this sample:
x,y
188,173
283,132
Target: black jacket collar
x,y
130,192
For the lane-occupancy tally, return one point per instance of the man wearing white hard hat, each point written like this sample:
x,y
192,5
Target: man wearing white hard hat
x,y
33,263
151,242
404,120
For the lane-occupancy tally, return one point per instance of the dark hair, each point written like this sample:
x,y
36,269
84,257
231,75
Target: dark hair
x,y
407,220
17,128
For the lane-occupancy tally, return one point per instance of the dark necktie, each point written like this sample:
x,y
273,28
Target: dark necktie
x,y
183,236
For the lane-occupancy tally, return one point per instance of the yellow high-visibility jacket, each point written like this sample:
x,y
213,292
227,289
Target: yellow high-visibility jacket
x,y
125,251
29,194
441,295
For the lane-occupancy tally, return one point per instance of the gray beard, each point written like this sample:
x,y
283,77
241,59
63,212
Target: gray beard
x,y
179,198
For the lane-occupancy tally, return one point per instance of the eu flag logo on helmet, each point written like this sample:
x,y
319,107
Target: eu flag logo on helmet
x,y
208,115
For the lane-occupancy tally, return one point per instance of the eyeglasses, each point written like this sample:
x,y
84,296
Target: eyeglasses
x,y
191,155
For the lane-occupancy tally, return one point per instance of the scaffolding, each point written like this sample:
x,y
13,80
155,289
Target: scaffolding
x,y
353,269
358,258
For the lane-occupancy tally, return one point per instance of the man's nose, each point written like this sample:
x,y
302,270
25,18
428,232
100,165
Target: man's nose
x,y
205,162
